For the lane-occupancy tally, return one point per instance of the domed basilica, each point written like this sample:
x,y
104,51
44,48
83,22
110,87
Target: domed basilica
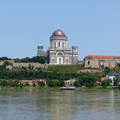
x,y
59,53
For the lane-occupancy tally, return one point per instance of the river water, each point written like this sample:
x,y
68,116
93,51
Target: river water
x,y
59,105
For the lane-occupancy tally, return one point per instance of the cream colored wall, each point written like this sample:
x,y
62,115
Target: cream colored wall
x,y
55,43
93,63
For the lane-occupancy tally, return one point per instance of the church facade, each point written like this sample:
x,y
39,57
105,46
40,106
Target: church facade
x,y
59,53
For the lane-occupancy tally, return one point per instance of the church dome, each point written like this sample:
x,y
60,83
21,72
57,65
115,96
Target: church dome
x,y
58,33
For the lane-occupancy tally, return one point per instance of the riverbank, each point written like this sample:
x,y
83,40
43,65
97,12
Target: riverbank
x,y
55,88
30,87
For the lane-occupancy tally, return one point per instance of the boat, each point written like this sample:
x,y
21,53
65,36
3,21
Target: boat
x,y
67,88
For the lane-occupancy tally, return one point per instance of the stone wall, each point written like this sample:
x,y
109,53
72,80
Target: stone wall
x,y
101,63
35,65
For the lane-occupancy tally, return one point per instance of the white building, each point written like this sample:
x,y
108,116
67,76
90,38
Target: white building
x,y
112,77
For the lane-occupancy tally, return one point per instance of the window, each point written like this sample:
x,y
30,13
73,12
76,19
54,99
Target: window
x,y
59,44
88,62
59,60
67,61
60,54
52,60
102,66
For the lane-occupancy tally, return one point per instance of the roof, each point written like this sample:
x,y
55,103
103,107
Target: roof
x,y
113,74
104,78
102,57
58,33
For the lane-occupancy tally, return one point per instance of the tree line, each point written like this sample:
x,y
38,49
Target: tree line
x,y
17,83
35,59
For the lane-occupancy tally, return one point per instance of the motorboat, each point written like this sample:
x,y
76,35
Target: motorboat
x,y
67,88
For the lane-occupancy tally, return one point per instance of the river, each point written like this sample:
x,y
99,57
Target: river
x,y
59,105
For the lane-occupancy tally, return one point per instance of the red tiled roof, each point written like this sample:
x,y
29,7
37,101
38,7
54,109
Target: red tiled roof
x,y
102,57
104,78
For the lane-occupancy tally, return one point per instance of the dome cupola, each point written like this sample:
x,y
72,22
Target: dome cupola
x,y
58,34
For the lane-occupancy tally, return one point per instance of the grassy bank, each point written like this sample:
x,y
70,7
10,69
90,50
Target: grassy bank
x,y
53,88
30,88
95,88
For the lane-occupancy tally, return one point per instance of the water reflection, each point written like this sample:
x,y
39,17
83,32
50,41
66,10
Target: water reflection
x,y
59,105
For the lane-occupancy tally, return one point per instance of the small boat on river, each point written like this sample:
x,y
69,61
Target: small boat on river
x,y
67,88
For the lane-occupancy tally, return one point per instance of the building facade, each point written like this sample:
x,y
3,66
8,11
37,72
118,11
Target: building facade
x,y
59,53
113,77
101,61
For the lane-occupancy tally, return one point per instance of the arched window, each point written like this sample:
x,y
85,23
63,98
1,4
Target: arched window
x,y
67,61
60,54
59,60
59,44
88,62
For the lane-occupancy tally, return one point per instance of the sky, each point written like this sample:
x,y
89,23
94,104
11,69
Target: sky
x,y
93,25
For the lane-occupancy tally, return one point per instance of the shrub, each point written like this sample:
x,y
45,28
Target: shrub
x,y
3,83
77,84
87,80
105,83
55,83
41,84
14,83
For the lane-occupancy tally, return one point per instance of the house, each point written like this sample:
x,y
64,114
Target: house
x,y
98,61
112,77
69,83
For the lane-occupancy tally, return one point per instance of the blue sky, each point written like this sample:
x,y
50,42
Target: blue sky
x,y
93,25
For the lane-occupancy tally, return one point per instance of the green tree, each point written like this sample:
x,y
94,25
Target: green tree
x,y
39,59
87,80
76,83
105,83
118,65
14,83
107,70
4,58
3,83
55,83
6,64
30,67
41,84
35,59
